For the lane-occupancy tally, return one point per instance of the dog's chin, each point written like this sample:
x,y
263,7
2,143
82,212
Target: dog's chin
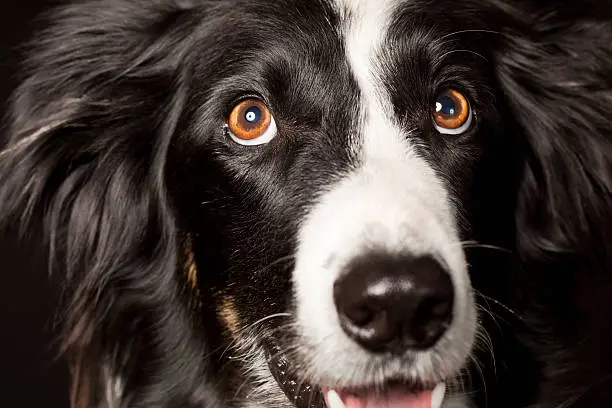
x,y
392,393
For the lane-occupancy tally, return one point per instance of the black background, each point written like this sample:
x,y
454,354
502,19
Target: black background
x,y
31,374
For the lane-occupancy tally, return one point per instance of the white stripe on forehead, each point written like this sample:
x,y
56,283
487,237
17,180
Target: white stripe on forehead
x,y
364,25
393,201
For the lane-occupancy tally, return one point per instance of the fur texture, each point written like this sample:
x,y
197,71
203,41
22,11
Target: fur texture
x,y
117,144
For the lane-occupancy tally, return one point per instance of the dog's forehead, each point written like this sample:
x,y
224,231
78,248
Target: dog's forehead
x,y
365,10
363,26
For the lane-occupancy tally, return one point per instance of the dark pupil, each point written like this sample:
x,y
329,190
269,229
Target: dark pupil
x,y
252,114
445,105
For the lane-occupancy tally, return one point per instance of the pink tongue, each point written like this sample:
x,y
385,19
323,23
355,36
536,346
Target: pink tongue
x,y
396,399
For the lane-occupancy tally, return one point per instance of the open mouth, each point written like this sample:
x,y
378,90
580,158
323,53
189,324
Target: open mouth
x,y
393,395
397,397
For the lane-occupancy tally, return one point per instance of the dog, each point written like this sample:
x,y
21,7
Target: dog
x,y
340,203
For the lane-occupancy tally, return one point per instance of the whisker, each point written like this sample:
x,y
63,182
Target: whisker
x,y
471,31
253,325
481,374
486,344
474,244
263,319
446,54
274,263
500,304
494,317
216,349
281,328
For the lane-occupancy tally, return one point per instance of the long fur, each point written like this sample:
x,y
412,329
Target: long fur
x,y
557,74
99,105
104,94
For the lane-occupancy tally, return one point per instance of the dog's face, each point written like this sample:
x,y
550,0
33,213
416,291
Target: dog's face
x,y
334,163
330,162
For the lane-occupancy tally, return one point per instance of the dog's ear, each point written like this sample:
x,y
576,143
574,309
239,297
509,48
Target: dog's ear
x,y
556,70
102,94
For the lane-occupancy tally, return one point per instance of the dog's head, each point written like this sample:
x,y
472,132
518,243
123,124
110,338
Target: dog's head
x,y
322,164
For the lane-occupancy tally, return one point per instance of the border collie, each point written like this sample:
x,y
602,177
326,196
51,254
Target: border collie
x,y
341,203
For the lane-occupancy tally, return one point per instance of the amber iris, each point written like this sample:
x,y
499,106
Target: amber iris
x,y
451,109
249,119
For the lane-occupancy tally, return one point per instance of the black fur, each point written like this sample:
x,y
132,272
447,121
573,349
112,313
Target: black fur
x,y
128,99
557,73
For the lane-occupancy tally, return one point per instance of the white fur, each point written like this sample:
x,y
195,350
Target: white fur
x,y
393,200
262,389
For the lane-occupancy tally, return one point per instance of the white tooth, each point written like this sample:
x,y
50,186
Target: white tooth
x,y
437,396
334,400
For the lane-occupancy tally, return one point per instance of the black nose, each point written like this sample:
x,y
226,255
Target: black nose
x,y
390,303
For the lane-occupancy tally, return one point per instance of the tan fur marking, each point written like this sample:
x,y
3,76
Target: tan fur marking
x,y
191,270
229,315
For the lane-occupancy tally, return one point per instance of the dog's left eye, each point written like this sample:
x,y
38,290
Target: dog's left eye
x,y
451,114
251,123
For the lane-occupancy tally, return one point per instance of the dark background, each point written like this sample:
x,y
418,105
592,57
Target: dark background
x,y
31,374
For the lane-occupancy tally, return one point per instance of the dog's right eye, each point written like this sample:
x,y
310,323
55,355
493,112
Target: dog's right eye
x,y
251,123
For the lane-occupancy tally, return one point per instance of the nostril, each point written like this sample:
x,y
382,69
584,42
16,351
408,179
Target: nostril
x,y
360,315
431,319
432,308
369,325
440,307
